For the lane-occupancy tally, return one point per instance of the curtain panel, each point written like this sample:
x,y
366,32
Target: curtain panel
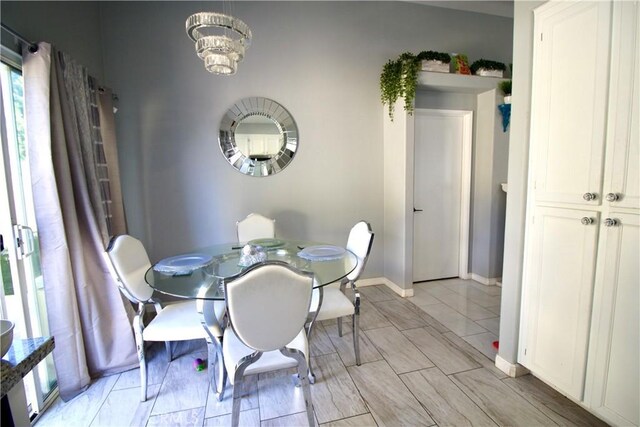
x,y
87,315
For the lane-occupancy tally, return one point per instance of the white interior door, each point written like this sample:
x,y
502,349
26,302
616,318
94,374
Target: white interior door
x,y
441,193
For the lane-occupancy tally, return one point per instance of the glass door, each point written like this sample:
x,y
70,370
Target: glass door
x,y
22,298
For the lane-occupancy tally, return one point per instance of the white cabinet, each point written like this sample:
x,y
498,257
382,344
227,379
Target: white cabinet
x,y
613,377
560,297
570,97
580,322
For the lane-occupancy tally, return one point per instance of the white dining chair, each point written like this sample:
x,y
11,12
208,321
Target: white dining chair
x,y
267,305
177,321
255,226
333,302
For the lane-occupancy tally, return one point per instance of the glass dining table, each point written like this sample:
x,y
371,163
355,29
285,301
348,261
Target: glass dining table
x,y
220,262
225,261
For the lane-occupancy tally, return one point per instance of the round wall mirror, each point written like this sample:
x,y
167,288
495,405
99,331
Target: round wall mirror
x,y
258,136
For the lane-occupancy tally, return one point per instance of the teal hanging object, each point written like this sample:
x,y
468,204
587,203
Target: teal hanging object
x,y
505,110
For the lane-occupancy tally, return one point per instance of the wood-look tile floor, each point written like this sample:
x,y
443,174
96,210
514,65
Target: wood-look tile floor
x,y
426,360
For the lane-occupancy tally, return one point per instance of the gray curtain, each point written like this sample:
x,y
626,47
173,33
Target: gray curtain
x,y
87,315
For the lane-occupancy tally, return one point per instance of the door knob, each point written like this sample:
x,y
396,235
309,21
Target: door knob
x,y
417,210
610,222
586,220
589,196
612,197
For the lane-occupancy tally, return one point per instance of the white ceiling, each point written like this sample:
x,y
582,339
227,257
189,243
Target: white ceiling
x,y
496,7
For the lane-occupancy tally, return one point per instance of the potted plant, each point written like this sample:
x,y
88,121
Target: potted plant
x,y
505,88
398,79
461,64
434,61
488,68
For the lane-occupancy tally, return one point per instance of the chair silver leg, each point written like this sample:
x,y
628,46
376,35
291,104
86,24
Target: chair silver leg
x,y
217,371
304,380
356,328
238,385
167,345
137,330
356,337
339,319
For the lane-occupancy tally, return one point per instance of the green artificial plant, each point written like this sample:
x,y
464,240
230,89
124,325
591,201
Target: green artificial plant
x,y
399,79
487,65
505,87
431,55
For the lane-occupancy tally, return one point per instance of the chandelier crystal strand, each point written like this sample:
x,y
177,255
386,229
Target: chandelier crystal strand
x,y
217,63
221,38
219,44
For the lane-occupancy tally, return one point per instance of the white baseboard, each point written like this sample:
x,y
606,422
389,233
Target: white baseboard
x,y
513,370
405,293
492,281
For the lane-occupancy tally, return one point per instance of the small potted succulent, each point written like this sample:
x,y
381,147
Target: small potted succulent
x,y
505,88
434,61
488,68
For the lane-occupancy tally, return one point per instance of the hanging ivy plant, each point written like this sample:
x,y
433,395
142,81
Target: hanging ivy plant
x,y
399,79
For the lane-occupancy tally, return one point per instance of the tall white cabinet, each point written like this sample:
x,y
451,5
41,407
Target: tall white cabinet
x,y
580,321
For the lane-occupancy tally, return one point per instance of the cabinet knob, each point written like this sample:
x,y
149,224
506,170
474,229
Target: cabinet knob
x,y
610,222
612,197
589,196
586,220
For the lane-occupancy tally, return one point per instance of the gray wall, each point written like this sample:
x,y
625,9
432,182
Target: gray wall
x,y
321,60
73,27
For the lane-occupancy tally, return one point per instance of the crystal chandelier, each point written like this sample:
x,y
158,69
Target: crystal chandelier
x,y
220,40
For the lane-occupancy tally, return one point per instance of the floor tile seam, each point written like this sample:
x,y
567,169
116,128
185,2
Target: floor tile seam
x,y
455,381
461,390
535,409
532,398
463,314
416,346
441,324
465,351
106,397
524,396
155,399
433,420
366,404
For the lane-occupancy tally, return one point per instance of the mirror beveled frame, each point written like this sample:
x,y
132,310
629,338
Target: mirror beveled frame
x,y
258,106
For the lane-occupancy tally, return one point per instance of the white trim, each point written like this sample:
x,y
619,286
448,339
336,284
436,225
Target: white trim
x,y
465,194
491,281
465,187
511,369
404,293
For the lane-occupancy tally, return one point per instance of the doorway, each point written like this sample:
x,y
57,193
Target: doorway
x,y
22,293
442,193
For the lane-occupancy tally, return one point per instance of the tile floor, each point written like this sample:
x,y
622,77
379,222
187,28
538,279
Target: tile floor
x,y
426,360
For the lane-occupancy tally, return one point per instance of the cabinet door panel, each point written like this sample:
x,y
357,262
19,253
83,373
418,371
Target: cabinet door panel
x,y
558,286
613,386
570,77
623,157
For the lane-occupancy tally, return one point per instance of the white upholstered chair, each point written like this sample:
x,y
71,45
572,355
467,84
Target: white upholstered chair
x,y
267,305
335,304
178,321
255,226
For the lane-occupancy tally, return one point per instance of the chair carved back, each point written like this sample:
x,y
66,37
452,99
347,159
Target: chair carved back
x,y
255,226
360,242
130,262
268,304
